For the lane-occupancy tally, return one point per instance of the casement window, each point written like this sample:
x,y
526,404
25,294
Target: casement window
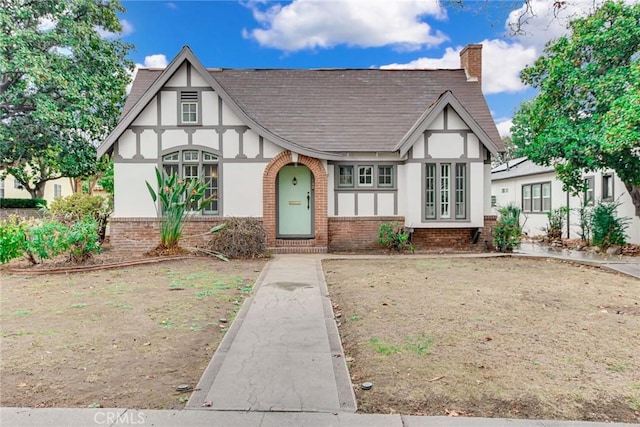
x,y
345,176
2,188
196,164
365,176
189,108
607,187
385,176
536,197
57,190
588,196
445,191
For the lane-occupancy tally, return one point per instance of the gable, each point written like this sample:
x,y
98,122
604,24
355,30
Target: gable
x,y
447,115
349,110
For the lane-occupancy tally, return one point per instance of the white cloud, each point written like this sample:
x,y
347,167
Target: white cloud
x,y
501,64
127,28
504,127
543,21
311,24
157,60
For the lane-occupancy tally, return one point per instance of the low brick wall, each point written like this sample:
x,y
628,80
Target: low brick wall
x,y
436,238
486,237
142,234
356,234
22,213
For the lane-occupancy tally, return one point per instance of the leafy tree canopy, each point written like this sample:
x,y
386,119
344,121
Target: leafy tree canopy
x,y
586,115
63,79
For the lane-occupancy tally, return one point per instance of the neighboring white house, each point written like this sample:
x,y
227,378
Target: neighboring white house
x,y
11,189
536,190
323,157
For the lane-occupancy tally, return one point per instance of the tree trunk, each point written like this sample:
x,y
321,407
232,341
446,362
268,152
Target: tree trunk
x,y
634,191
37,192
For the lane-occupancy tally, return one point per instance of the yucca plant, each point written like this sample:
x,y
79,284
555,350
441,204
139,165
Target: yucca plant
x,y
178,199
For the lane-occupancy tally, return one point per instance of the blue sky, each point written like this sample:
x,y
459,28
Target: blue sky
x,y
349,34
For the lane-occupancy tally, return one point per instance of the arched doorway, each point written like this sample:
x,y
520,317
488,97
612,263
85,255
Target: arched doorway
x,y
295,202
317,197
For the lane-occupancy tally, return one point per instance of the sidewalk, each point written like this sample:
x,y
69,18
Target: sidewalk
x,y
58,417
283,351
626,265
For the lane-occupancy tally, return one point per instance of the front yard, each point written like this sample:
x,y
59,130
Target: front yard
x,y
116,338
496,337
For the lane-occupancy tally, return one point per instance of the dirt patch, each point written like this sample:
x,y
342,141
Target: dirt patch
x,y
116,338
496,337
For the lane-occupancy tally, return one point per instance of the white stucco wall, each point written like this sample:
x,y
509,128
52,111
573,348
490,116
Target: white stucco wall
x,y
242,189
132,198
510,191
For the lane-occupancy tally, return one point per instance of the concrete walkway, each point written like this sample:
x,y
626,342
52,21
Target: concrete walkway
x,y
626,265
283,351
281,364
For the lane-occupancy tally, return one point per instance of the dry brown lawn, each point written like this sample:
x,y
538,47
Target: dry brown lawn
x,y
494,337
115,338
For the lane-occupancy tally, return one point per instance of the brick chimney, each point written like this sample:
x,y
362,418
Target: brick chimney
x,y
471,61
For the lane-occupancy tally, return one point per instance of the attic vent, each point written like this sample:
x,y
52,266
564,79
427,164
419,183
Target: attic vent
x,y
188,96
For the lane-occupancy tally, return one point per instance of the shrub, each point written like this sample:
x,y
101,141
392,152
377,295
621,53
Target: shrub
x,y
177,200
507,230
393,235
12,236
45,239
7,203
38,240
239,238
78,206
585,214
83,239
606,228
556,221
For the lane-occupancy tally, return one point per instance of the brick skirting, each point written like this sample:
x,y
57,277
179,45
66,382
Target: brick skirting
x,y
358,233
142,234
350,234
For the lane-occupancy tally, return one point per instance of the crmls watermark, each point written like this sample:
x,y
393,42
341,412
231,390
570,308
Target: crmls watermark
x,y
117,418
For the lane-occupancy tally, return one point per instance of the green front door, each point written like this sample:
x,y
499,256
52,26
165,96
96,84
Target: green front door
x,y
295,202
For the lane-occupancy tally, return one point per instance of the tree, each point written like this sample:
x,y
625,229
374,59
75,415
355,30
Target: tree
x,y
63,81
586,115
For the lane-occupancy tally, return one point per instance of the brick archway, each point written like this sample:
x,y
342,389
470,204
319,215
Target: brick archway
x,y
269,196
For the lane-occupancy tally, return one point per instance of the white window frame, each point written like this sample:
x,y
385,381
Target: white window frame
x,y
365,175
341,175
534,197
57,190
607,187
386,176
189,164
445,191
589,191
189,106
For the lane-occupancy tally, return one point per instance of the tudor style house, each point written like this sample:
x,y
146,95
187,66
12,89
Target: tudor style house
x,y
322,156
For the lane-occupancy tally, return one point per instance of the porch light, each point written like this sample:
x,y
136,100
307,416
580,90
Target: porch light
x,y
294,181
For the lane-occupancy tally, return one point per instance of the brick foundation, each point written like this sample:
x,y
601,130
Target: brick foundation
x,y
356,234
142,234
346,234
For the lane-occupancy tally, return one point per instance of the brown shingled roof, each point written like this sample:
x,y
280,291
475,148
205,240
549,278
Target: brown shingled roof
x,y
340,109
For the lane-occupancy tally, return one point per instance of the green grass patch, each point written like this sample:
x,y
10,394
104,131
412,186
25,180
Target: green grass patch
x,y
21,312
384,348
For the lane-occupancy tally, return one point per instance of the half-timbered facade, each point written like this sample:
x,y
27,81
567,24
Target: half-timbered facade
x,y
323,157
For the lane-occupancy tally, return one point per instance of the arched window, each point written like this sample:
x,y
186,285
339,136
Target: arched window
x,y
195,164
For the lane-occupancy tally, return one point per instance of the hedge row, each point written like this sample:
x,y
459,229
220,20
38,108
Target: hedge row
x,y
6,203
